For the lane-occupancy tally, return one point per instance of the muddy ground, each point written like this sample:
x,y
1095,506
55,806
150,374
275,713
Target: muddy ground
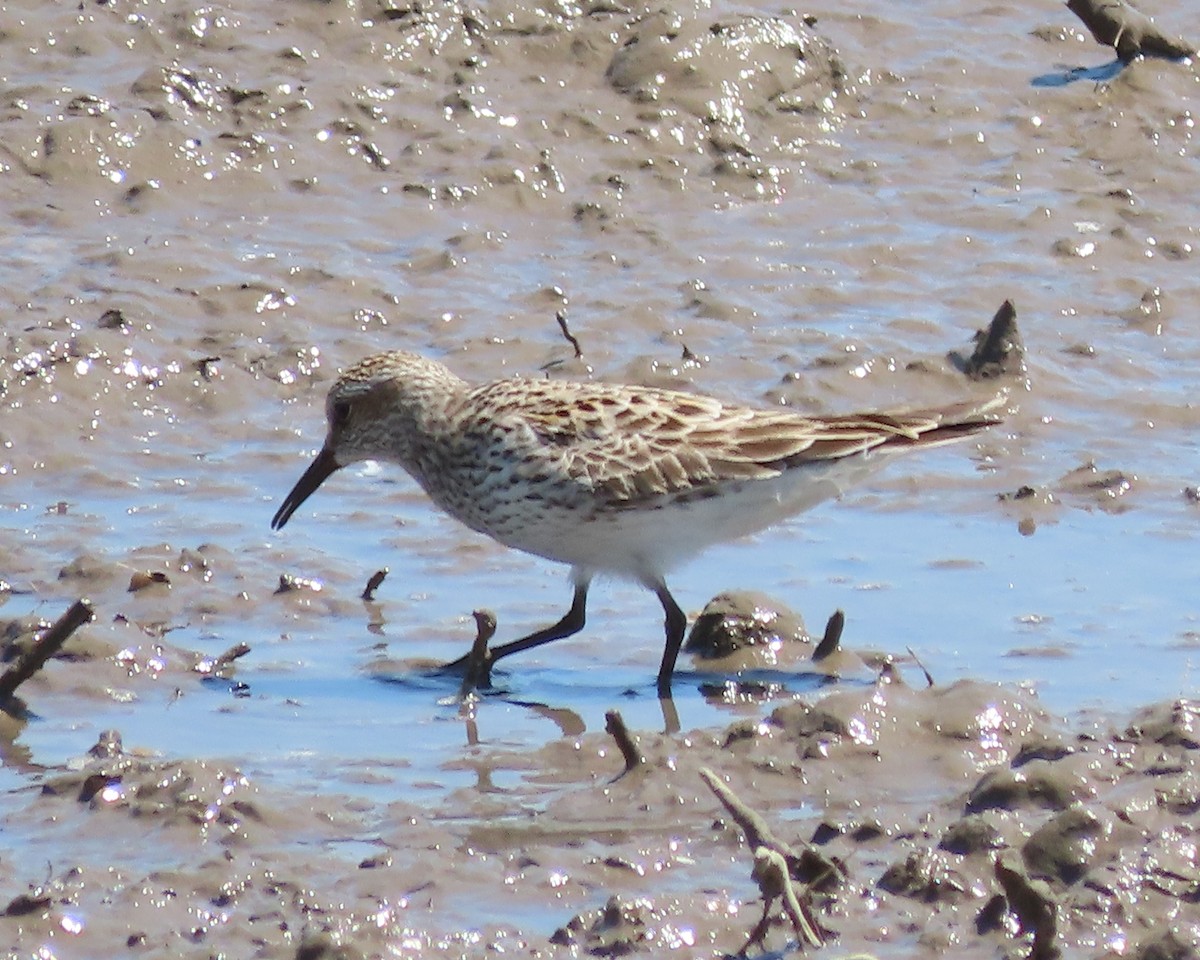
x,y
919,821
208,209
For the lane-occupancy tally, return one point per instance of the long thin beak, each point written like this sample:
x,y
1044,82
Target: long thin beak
x,y
306,486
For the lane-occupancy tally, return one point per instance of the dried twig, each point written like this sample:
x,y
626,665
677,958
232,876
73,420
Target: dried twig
x,y
236,652
917,661
377,578
44,647
561,317
758,832
614,723
774,863
477,671
774,882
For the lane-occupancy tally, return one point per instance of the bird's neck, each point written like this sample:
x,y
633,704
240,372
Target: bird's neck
x,y
425,433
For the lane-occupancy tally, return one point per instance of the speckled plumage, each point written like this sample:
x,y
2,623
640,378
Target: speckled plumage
x,y
607,478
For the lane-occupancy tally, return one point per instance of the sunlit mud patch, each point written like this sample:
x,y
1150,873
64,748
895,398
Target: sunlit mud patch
x,y
667,95
746,89
211,799
106,381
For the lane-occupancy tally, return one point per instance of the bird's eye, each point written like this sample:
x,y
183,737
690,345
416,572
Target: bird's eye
x,y
339,413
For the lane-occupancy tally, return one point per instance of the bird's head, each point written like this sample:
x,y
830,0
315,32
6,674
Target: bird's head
x,y
379,409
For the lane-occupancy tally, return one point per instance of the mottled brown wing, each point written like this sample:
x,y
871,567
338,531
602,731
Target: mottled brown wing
x,y
633,443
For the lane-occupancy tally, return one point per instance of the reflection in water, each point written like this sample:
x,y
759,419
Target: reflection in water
x,y
569,723
1100,74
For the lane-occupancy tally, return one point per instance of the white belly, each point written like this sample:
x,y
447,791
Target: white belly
x,y
646,541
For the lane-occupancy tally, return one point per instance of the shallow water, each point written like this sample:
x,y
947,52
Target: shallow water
x,y
289,196
959,192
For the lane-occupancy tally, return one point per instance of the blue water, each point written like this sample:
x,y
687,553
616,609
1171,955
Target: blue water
x,y
332,683
942,194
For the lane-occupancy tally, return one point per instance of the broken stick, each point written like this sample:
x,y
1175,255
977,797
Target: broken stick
x,y
44,647
774,882
772,872
757,831
561,317
377,578
614,723
832,638
478,668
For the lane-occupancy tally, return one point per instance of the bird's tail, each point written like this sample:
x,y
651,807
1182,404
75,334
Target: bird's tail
x,y
948,424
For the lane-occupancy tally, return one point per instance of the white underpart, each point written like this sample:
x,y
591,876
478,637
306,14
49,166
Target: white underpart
x,y
644,543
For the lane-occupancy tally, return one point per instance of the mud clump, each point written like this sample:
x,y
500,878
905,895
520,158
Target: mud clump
x,y
748,625
748,87
620,928
999,350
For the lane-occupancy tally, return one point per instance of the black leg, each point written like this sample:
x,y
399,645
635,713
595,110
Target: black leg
x,y
571,623
676,626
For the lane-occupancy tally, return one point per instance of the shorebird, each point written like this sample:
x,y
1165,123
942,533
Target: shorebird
x,y
623,480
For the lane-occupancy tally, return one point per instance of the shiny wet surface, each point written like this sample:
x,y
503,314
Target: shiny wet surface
x,y
240,219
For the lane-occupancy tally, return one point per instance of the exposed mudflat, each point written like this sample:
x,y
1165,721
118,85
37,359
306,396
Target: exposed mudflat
x,y
907,798
207,210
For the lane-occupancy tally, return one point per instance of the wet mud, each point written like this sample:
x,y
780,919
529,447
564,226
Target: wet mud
x,y
209,209
917,820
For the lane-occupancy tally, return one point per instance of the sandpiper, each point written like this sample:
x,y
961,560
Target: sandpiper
x,y
608,478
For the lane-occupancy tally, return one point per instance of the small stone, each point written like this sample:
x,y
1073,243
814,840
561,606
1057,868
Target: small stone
x,y
147,578
1063,847
972,834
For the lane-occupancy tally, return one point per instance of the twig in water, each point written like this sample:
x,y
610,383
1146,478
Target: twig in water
x,y
917,661
44,647
373,584
833,636
614,723
478,672
561,317
236,652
